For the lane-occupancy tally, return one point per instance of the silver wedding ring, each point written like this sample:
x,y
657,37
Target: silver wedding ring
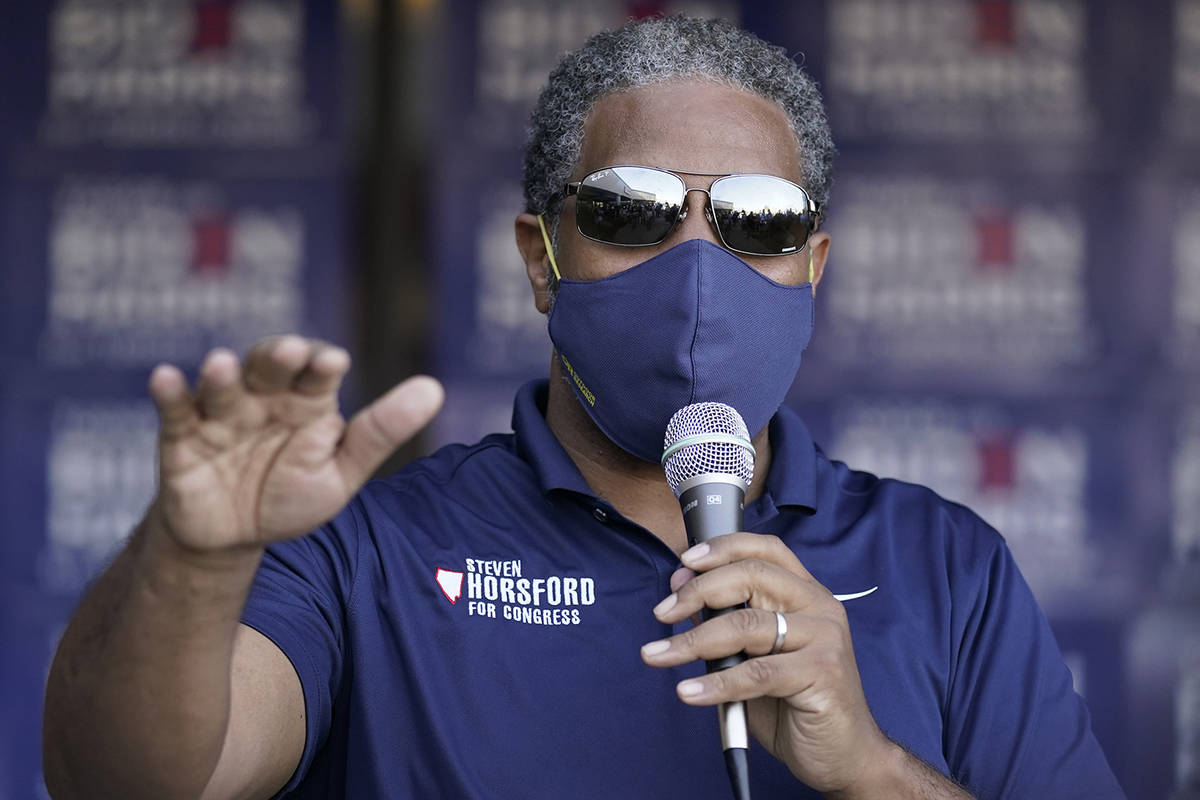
x,y
780,633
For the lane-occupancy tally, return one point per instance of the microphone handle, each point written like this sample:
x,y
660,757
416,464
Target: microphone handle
x,y
714,509
710,509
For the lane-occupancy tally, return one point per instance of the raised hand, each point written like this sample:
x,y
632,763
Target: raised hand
x,y
259,453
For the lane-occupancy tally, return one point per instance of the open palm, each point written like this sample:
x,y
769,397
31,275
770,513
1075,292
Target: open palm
x,y
261,453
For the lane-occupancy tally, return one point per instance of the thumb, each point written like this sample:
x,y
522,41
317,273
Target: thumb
x,y
679,577
386,424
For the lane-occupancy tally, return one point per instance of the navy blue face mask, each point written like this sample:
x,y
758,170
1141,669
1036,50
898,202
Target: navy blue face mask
x,y
693,324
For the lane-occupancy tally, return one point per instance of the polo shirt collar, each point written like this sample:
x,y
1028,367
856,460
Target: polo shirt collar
x,y
792,481
537,444
793,477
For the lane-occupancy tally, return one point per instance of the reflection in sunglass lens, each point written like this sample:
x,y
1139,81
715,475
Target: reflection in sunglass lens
x,y
761,215
628,205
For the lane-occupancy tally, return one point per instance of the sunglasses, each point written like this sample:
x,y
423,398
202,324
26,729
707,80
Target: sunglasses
x,y
757,215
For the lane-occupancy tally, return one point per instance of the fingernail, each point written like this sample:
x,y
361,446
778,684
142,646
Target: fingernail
x,y
218,361
690,688
334,356
694,554
665,605
654,648
291,344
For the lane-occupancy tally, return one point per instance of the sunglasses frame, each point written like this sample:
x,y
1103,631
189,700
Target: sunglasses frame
x,y
572,189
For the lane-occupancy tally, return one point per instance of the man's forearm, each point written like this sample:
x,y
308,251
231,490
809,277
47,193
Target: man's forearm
x,y
137,701
904,776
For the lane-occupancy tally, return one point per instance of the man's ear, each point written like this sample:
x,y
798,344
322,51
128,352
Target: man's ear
x,y
818,245
537,260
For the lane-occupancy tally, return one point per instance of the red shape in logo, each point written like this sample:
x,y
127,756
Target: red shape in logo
x,y
210,26
450,582
210,243
994,23
997,467
994,248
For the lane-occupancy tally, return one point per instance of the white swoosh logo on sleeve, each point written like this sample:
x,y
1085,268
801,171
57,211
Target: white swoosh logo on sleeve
x,y
855,595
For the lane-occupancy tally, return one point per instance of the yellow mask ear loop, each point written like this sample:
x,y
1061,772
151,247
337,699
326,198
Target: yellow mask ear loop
x,y
550,249
811,271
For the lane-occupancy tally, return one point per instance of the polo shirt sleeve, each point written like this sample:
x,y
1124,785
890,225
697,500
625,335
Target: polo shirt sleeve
x,y
1014,726
298,601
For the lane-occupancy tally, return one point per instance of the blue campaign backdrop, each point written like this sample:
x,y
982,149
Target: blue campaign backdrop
x,y
174,178
1011,312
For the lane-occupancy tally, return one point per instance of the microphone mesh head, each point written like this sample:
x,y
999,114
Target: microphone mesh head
x,y
713,425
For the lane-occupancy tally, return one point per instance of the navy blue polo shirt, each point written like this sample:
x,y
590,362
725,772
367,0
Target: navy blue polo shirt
x,y
470,628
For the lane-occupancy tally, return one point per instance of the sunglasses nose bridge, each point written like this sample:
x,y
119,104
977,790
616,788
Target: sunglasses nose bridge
x,y
705,204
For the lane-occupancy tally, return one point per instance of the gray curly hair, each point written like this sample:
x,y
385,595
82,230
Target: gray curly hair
x,y
653,51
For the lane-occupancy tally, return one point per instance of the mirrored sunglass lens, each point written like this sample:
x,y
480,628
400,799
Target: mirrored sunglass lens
x,y
760,214
628,205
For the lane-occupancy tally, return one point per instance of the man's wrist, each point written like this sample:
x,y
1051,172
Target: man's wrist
x,y
896,774
878,776
168,566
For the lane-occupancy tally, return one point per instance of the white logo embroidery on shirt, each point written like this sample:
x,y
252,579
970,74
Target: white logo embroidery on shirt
x,y
854,595
450,583
499,589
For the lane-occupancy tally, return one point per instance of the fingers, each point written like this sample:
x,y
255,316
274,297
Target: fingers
x,y
219,388
283,363
291,363
384,425
770,676
280,364
274,364
679,577
738,546
741,568
169,390
826,661
752,569
761,584
748,630
323,373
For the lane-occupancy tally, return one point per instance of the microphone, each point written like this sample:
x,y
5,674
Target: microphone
x,y
709,462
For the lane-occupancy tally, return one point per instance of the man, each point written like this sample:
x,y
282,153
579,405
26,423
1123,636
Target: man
x,y
512,619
